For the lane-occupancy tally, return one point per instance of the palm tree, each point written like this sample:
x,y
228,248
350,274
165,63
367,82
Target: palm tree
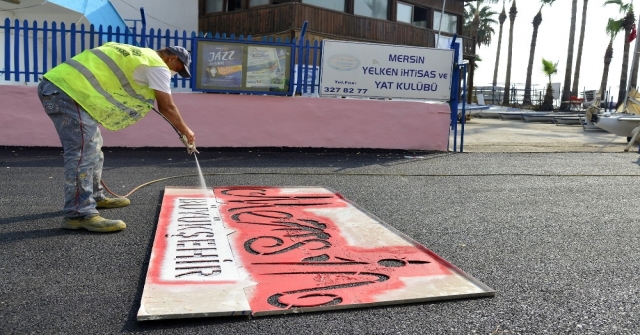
x,y
613,28
576,74
548,68
627,24
512,17
478,23
502,18
478,60
536,23
566,93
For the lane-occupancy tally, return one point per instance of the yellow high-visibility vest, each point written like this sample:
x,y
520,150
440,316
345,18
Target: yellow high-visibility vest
x,y
101,81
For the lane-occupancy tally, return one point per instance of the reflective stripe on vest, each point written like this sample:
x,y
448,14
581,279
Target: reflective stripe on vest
x,y
101,81
121,76
96,86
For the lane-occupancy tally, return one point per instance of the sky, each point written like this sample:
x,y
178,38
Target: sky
x,y
553,43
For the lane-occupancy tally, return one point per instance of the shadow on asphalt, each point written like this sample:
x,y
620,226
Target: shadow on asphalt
x,y
231,157
32,217
6,238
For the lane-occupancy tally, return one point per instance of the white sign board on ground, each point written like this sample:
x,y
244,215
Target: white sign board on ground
x,y
556,90
387,71
241,250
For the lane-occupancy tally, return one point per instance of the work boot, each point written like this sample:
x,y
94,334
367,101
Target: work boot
x,y
94,223
112,203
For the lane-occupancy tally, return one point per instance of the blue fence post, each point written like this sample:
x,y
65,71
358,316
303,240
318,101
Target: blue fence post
x,y
82,37
35,51
109,34
464,104
315,62
167,38
7,48
305,75
133,36
72,40
175,37
45,42
16,52
453,102
100,34
63,43
174,79
192,80
126,36
54,45
158,39
143,37
184,45
92,33
25,32
299,67
150,44
175,42
144,27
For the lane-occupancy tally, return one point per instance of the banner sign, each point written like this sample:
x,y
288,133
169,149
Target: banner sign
x,y
385,71
242,67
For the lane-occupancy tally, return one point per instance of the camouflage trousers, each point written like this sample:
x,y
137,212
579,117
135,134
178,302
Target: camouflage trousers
x,y
82,150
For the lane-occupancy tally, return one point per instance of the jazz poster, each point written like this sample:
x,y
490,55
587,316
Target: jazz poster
x,y
223,65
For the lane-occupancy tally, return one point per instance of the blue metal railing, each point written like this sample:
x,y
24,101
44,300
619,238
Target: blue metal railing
x,y
30,50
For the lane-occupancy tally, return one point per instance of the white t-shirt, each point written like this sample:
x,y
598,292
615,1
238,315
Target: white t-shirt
x,y
156,77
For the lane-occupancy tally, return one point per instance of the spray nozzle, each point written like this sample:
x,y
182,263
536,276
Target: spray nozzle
x,y
191,147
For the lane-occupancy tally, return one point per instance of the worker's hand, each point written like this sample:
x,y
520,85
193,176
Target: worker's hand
x,y
191,146
191,136
191,142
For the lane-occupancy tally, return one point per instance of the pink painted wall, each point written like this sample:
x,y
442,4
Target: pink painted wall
x,y
221,120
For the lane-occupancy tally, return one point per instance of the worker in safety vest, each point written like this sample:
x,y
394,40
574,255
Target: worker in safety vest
x,y
114,85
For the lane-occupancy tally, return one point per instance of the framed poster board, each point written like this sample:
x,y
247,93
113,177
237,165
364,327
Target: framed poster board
x,y
230,66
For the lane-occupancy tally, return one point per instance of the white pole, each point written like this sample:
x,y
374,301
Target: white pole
x,y
444,2
635,56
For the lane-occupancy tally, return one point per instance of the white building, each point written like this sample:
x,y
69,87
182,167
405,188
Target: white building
x,y
165,15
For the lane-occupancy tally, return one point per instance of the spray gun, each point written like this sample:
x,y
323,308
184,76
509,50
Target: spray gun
x,y
191,147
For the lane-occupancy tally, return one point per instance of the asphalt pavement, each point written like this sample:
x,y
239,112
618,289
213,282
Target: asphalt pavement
x,y
557,235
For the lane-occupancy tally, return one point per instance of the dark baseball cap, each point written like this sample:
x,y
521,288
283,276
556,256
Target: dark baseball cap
x,y
184,57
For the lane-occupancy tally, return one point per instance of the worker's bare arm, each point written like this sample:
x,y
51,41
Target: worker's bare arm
x,y
168,108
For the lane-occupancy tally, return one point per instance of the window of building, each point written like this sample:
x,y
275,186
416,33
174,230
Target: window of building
x,y
449,22
234,5
277,2
213,6
329,4
412,14
404,13
253,3
378,9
